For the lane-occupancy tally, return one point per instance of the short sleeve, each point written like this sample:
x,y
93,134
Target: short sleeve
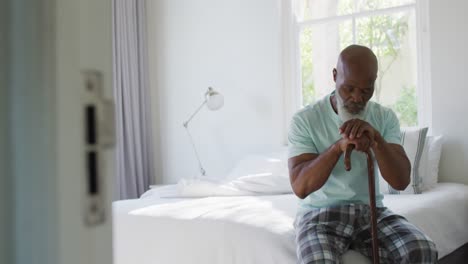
x,y
299,139
392,128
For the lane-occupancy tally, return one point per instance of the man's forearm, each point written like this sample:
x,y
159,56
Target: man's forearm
x,y
393,163
310,176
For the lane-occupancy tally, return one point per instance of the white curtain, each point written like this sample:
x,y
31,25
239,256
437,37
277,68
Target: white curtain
x,y
134,148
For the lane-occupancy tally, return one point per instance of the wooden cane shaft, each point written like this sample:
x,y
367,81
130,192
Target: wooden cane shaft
x,y
375,241
373,207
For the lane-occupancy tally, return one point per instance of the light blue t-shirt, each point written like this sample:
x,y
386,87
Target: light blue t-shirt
x,y
315,128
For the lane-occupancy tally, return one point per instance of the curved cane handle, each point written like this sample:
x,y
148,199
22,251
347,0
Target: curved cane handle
x,y
347,157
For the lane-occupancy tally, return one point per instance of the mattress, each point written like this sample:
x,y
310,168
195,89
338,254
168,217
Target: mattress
x,y
259,229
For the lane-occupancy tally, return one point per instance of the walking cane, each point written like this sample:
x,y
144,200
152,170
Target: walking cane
x,y
370,171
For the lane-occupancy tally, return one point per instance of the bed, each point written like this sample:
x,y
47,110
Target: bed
x,y
259,229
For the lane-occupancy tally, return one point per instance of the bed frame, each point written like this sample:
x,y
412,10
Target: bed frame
x,y
459,256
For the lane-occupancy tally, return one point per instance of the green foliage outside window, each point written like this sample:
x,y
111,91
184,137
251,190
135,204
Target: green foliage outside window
x,y
406,108
308,88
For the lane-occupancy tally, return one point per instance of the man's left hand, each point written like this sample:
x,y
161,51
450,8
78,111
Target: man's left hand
x,y
356,128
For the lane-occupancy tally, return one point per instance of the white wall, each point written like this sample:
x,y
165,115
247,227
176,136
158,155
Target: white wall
x,y
449,58
233,46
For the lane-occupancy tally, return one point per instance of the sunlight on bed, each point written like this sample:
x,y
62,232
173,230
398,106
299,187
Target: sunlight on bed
x,y
245,210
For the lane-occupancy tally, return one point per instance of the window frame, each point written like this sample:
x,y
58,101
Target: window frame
x,y
291,31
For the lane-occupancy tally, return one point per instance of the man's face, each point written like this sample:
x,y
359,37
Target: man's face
x,y
355,87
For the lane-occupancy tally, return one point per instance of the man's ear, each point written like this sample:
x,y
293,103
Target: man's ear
x,y
334,74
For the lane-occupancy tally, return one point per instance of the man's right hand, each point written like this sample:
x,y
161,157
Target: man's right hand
x,y
360,144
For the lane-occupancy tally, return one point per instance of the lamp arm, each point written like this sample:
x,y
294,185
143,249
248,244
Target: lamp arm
x,y
202,170
193,115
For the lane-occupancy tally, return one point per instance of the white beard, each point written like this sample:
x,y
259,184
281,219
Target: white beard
x,y
343,112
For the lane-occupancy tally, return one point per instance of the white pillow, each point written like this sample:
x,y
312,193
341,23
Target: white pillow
x,y
429,166
274,164
261,173
413,141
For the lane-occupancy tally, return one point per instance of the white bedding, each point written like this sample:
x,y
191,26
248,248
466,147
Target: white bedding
x,y
258,229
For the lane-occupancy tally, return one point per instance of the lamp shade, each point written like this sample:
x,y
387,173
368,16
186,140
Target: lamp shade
x,y
214,100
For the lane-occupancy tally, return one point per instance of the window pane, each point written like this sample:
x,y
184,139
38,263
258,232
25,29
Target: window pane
x,y
393,39
366,5
320,45
315,9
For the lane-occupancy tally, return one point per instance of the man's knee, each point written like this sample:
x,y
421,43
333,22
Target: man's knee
x,y
419,251
318,248
319,256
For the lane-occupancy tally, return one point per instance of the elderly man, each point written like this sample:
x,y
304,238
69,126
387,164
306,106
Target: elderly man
x,y
334,212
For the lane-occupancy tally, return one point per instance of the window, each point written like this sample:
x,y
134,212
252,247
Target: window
x,y
388,27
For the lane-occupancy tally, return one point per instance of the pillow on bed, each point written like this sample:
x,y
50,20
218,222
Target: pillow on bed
x,y
273,164
429,165
261,173
413,141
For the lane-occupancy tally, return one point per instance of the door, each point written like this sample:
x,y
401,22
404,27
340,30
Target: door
x,y
85,166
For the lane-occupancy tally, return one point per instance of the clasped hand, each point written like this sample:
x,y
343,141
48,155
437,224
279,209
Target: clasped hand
x,y
357,132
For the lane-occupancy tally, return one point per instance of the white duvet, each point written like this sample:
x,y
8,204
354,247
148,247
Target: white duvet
x,y
258,229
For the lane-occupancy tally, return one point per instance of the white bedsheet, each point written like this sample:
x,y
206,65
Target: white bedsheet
x,y
259,229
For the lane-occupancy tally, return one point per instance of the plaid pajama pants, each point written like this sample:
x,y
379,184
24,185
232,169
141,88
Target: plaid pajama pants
x,y
324,234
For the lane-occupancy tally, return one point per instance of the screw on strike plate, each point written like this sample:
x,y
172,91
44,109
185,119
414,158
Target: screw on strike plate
x,y
89,85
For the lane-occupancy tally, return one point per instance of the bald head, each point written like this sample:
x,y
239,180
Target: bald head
x,y
357,58
355,75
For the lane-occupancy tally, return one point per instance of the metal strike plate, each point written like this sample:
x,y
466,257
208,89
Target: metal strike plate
x,y
99,135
